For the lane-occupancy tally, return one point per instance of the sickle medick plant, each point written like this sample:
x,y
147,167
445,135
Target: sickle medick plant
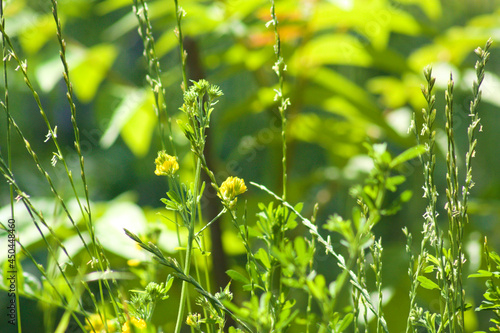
x,y
230,189
166,165
199,102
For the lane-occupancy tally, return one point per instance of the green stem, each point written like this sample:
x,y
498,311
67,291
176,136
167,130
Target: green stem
x,y
180,314
347,272
179,12
189,247
9,155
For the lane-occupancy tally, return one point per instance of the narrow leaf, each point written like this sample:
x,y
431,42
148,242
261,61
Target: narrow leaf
x,y
407,155
427,283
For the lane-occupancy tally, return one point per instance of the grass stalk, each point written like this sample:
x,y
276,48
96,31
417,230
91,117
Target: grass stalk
x,y
34,214
145,31
85,210
97,256
483,54
376,250
63,300
52,134
452,211
311,263
279,68
430,191
179,14
5,105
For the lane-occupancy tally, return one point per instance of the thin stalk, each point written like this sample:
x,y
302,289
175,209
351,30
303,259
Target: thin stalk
x,y
182,304
430,191
189,247
483,55
179,272
52,134
377,268
207,275
85,210
53,255
179,14
279,68
427,234
452,210
356,295
64,302
224,210
5,106
181,258
413,275
76,130
154,77
346,267
198,278
33,212
202,248
311,263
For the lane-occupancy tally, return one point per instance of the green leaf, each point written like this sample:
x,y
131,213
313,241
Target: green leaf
x,y
359,103
263,257
32,284
346,321
87,75
36,34
392,182
396,205
406,196
317,287
432,259
339,49
407,155
427,283
495,257
118,216
481,273
429,269
138,131
237,276
432,8
132,101
301,251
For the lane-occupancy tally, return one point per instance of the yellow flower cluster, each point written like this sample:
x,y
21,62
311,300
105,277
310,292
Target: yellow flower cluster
x,y
230,188
138,324
166,165
193,320
96,325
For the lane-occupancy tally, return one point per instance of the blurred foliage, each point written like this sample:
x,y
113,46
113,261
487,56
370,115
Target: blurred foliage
x,y
353,74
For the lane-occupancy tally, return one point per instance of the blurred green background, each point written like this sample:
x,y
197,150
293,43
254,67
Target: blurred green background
x,y
353,75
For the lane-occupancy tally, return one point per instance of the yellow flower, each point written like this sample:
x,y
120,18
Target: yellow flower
x,y
133,262
230,188
95,324
138,323
193,320
166,165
